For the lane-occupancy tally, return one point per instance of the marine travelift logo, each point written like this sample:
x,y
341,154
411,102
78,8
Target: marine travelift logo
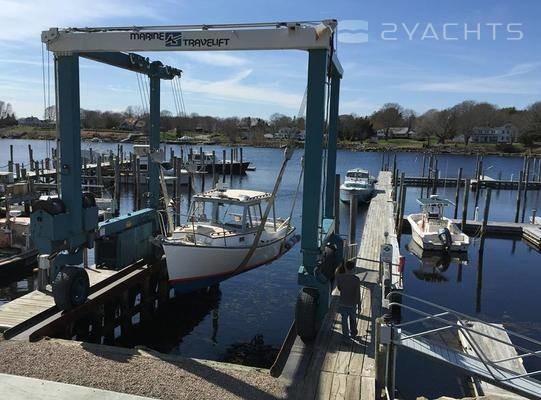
x,y
173,39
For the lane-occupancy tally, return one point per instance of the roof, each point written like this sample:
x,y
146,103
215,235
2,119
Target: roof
x,y
358,170
233,195
434,201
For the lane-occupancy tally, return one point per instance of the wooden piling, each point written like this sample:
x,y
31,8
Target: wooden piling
x,y
213,168
17,171
203,168
525,190
486,212
231,167
403,191
457,193
30,158
465,203
10,158
517,209
353,206
223,165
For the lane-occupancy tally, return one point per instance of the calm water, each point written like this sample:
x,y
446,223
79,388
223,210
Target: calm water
x,y
261,302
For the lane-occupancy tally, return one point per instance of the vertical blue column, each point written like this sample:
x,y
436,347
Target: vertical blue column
x,y
315,116
154,141
68,125
331,146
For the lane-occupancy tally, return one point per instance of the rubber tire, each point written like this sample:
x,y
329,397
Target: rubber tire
x,y
71,287
51,206
305,314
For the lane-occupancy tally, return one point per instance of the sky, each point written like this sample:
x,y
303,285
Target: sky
x,y
413,52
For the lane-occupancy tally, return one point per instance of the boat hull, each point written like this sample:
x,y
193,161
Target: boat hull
x,y
237,168
432,242
362,196
195,267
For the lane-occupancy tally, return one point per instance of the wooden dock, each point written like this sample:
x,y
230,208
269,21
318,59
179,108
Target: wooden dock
x,y
482,182
333,366
34,303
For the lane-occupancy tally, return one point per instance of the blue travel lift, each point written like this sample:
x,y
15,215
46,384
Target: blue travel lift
x,y
63,228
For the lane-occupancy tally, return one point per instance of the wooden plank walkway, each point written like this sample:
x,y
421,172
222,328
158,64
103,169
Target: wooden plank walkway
x,y
340,367
380,219
36,302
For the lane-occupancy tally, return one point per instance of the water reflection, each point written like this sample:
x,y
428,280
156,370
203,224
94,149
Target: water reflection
x,y
432,265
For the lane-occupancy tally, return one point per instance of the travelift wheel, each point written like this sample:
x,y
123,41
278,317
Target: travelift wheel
x,y
305,314
70,287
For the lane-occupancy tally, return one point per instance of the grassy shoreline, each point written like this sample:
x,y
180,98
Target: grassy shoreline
x,y
390,145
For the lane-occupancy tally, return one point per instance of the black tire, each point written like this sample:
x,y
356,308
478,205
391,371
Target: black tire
x,y
52,206
305,314
70,287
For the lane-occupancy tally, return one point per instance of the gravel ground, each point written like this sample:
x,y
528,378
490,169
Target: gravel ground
x,y
136,372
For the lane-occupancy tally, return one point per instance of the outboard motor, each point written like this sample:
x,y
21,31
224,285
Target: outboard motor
x,y
445,237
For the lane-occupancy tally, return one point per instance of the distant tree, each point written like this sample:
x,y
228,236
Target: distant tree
x,y
230,128
388,116
426,125
409,116
446,124
50,113
530,132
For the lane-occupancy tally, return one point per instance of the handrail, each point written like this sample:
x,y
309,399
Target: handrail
x,y
465,316
461,325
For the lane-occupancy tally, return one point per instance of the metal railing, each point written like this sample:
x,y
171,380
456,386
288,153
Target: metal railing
x,y
446,319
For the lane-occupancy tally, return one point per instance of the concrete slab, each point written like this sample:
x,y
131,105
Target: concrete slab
x,y
15,387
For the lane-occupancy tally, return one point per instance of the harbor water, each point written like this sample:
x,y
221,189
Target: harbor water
x,y
259,305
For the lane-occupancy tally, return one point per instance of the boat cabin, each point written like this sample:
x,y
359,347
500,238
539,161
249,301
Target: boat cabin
x,y
434,206
357,174
235,209
202,158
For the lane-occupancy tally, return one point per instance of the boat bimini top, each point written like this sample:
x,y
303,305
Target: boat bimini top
x,y
238,196
433,206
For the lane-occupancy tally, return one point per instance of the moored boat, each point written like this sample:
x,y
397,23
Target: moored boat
x,y
431,230
358,185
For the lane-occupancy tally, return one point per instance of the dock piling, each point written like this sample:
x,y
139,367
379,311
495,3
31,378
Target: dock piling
x,y
486,212
457,193
465,203
517,209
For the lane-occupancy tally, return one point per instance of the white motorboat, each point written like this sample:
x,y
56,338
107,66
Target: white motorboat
x,y
224,237
143,151
431,230
358,184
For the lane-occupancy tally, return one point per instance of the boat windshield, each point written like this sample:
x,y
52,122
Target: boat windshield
x,y
357,174
356,185
237,216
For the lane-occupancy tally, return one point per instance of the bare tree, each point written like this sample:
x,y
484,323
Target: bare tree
x,y
388,116
446,123
426,125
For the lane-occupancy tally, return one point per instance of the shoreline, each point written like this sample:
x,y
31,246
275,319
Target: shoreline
x,y
384,147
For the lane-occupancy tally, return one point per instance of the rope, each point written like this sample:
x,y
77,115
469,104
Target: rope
x,y
174,98
293,205
43,78
270,203
181,97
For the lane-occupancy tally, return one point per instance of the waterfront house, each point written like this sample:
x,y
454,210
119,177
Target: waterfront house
x,y
396,133
502,134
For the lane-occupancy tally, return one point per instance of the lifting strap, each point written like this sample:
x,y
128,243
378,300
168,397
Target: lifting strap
x,y
288,152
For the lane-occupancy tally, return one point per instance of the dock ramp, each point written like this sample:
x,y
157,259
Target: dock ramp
x,y
482,350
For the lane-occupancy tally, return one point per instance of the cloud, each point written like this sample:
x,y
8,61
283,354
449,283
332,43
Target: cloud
x,y
216,59
510,82
23,20
233,88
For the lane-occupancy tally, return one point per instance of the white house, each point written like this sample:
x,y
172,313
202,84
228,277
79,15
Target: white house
x,y
396,133
502,134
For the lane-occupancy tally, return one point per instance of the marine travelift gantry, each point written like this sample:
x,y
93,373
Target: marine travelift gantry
x,y
63,228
